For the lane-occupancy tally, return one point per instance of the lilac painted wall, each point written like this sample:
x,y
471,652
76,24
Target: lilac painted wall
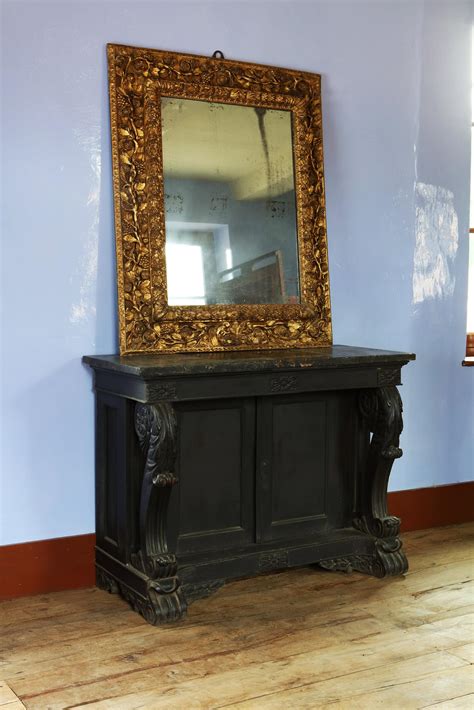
x,y
396,78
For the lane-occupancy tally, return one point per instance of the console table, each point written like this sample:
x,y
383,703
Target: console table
x,y
220,465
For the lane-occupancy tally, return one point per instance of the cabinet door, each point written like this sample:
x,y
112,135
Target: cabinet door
x,y
305,459
216,472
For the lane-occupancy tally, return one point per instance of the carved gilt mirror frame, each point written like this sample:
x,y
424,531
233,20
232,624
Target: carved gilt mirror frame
x,y
138,78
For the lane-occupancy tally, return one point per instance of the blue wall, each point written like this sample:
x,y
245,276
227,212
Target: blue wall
x,y
396,78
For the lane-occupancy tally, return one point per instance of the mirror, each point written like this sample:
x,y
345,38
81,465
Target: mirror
x,y
219,199
231,231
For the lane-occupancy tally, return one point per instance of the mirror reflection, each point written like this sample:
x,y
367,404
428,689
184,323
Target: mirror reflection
x,y
231,233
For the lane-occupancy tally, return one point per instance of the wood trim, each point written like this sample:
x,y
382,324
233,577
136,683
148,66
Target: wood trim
x,y
422,508
469,344
68,562
47,566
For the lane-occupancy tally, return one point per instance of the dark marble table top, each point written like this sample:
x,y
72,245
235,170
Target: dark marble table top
x,y
336,356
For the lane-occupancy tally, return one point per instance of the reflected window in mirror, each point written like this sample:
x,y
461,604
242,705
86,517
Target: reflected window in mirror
x,y
185,274
230,207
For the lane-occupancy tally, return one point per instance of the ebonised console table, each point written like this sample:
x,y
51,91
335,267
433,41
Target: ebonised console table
x,y
216,466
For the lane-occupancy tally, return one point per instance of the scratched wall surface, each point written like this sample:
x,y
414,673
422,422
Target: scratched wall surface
x,y
396,139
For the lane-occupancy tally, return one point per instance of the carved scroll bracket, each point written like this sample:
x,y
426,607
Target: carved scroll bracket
x,y
381,413
155,426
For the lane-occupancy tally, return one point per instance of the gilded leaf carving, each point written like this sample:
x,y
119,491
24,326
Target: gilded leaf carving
x,y
137,79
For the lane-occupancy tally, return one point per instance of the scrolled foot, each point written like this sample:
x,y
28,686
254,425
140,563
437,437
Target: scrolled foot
x,y
164,603
391,560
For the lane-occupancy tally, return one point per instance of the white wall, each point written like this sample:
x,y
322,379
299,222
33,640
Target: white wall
x,y
396,78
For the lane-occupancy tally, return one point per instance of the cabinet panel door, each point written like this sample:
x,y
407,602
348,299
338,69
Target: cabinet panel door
x,y
216,472
119,470
304,464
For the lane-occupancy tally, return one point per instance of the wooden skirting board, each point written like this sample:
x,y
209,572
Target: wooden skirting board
x,y
68,562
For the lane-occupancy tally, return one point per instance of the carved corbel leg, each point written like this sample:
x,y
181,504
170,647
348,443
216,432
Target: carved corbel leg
x,y
155,425
381,412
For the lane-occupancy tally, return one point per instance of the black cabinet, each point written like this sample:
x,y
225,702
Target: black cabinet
x,y
216,466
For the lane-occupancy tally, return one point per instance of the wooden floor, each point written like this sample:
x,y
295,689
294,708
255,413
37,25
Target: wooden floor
x,y
299,639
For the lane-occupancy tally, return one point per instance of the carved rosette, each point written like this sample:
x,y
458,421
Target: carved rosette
x,y
269,561
155,426
283,383
137,80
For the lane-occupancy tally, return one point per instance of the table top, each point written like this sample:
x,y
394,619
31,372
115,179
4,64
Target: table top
x,y
154,364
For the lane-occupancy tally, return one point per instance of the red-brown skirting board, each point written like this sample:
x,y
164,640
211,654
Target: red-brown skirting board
x,y
68,562
47,566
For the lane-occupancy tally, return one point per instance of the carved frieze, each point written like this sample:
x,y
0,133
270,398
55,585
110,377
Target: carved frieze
x,y
283,383
387,560
159,390
387,376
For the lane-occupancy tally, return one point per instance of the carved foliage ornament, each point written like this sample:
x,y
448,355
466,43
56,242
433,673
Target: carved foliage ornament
x,y
155,426
137,80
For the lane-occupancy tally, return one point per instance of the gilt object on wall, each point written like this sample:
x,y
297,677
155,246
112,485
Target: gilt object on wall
x,y
249,135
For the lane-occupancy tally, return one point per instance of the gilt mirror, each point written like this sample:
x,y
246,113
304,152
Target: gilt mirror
x,y
219,204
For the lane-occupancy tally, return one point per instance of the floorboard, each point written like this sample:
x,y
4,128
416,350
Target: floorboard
x,y
302,638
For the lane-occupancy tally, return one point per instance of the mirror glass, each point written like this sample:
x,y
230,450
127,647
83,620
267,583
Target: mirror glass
x,y
231,230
